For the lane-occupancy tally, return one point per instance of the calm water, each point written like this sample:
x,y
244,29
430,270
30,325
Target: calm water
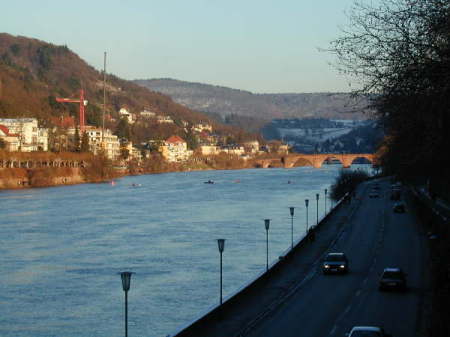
x,y
62,248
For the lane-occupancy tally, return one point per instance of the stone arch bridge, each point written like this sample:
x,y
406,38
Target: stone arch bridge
x,y
315,160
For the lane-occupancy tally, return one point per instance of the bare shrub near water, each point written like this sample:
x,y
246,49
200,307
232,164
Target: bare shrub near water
x,y
346,182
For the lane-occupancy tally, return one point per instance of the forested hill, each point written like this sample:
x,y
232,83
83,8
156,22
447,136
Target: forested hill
x,y
33,73
226,101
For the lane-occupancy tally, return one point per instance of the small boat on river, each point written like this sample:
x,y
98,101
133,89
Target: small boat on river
x,y
209,182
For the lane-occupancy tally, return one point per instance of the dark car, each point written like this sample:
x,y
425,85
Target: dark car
x,y
367,331
392,279
335,263
399,208
374,194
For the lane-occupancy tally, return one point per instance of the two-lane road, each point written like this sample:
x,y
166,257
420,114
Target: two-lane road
x,y
330,305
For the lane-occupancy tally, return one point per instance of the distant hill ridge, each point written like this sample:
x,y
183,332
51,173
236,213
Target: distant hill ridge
x,y
226,101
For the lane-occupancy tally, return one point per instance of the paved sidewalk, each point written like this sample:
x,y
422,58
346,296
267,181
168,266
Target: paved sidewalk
x,y
241,313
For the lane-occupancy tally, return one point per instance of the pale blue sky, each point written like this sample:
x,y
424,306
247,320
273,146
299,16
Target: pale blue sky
x,y
255,45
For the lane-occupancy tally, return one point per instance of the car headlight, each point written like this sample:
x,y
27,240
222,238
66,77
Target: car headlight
x,y
326,266
342,266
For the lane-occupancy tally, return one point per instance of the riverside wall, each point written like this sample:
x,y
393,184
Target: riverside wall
x,y
18,178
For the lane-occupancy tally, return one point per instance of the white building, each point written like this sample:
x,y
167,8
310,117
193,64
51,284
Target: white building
x,y
233,149
124,113
164,119
207,150
148,114
175,149
29,136
251,146
202,127
110,145
133,152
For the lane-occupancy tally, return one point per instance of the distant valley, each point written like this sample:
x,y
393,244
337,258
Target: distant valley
x,y
224,101
320,135
309,122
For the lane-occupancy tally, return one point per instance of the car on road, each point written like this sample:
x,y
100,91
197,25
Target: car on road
x,y
367,331
392,279
399,207
374,194
335,263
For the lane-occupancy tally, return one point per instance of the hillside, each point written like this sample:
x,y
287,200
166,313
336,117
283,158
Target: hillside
x,y
226,101
33,73
321,135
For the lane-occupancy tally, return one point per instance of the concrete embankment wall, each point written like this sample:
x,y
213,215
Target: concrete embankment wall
x,y
218,313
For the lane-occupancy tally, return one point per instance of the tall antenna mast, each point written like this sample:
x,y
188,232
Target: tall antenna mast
x,y
104,97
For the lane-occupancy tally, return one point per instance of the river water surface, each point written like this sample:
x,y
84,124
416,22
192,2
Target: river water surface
x,y
62,248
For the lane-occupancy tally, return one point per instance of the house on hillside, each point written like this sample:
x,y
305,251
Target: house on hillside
x,y
124,113
30,136
164,119
199,127
251,146
147,114
208,149
131,152
10,140
174,149
207,138
233,149
108,142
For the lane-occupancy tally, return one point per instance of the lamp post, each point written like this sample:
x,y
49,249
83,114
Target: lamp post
x,y
267,225
326,192
317,207
306,204
126,279
291,210
221,245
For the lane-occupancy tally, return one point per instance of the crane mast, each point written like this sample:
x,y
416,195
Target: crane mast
x,y
81,114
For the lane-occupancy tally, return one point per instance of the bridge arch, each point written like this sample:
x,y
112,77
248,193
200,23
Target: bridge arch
x,y
331,158
302,161
367,159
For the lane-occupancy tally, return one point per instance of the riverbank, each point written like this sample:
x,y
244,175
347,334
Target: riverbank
x,y
50,169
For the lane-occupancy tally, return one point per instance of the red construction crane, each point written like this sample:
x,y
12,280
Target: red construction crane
x,y
82,102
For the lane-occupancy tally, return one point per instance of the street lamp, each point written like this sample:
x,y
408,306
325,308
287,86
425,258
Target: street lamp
x,y
291,210
326,192
126,280
306,204
221,245
317,207
267,225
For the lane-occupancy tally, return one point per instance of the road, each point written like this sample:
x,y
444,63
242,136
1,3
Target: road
x,y
330,305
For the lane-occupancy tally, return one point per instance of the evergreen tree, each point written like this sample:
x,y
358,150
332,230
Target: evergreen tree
x,y
84,143
123,129
76,141
191,140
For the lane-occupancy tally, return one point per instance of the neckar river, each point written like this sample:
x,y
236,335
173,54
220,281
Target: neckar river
x,y
63,247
